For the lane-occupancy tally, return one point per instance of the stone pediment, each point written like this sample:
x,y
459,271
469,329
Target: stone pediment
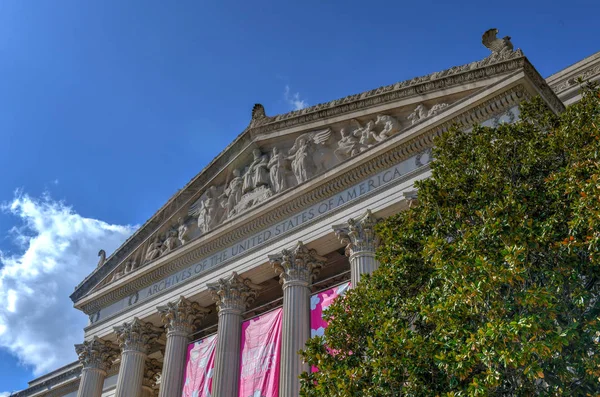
x,y
276,154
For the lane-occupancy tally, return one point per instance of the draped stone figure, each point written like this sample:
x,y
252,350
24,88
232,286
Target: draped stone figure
x,y
153,250
170,242
257,174
390,126
277,171
233,193
302,154
207,209
182,231
348,145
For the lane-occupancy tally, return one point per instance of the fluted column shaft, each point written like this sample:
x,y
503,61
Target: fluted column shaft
x,y
180,319
297,269
361,242
232,295
134,339
131,374
92,382
97,357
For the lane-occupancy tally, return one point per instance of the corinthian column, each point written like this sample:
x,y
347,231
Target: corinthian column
x,y
97,357
181,319
151,373
134,340
296,268
361,241
233,295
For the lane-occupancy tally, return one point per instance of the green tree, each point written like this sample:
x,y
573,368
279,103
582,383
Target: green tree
x,y
490,286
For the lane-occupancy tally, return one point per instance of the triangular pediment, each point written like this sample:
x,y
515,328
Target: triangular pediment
x,y
277,154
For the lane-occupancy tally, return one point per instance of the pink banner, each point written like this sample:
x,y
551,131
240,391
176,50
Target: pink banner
x,y
199,368
318,303
261,355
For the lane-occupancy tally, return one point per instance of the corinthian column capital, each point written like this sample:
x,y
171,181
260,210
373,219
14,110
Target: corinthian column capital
x,y
182,316
234,293
136,335
298,266
97,354
359,234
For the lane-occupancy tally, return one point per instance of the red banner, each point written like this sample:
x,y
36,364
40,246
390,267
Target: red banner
x,y
318,303
261,355
199,368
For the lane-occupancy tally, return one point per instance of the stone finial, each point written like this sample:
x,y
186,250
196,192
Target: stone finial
x,y
102,256
182,315
152,371
97,353
258,112
359,234
137,335
233,293
495,44
299,264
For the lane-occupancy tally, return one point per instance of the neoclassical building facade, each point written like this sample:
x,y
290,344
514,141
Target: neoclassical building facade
x,y
227,275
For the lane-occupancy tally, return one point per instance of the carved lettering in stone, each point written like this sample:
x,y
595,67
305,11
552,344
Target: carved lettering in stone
x,y
299,264
97,353
233,293
136,335
359,234
182,315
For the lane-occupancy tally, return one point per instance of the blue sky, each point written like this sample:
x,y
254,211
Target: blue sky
x,y
108,107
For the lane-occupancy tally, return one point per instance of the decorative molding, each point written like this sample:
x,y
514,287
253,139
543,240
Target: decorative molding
x,y
74,373
496,63
584,75
496,105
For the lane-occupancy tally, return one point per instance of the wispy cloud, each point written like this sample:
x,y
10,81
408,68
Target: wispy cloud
x,y
294,99
55,248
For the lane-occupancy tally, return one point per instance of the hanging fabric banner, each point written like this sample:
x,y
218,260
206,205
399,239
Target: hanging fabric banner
x,y
199,368
261,355
318,303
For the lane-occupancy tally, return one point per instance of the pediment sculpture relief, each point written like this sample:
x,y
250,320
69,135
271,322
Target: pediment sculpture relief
x,y
270,171
421,112
358,138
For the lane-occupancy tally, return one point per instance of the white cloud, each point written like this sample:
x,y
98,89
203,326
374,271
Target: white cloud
x,y
55,249
294,99
5,394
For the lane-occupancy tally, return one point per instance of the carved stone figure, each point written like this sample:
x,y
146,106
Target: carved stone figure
x,y
348,145
277,171
233,193
418,114
495,44
437,108
102,255
182,231
130,266
257,174
207,210
391,126
170,242
301,154
153,250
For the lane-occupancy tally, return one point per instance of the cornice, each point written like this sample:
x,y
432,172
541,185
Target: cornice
x,y
493,65
362,170
74,373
